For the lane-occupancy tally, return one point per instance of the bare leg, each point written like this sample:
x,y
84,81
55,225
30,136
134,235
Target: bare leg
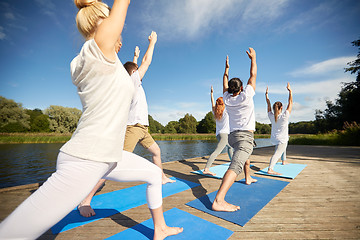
x,y
161,230
207,171
219,203
84,207
248,179
156,157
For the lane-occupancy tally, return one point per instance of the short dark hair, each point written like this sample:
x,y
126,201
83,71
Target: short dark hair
x,y
130,66
235,85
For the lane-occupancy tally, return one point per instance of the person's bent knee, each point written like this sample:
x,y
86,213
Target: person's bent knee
x,y
236,169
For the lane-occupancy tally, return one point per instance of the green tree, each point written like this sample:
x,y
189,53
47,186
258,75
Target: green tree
x,y
171,127
304,127
187,124
155,126
345,107
39,122
207,124
13,117
262,128
63,119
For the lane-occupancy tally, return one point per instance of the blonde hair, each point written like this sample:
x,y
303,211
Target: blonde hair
x,y
219,108
89,15
277,106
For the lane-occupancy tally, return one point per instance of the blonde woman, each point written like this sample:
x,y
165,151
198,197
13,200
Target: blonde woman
x,y
279,129
95,149
222,131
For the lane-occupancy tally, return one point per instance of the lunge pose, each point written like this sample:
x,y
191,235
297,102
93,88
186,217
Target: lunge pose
x,y
137,129
240,107
92,153
222,131
279,129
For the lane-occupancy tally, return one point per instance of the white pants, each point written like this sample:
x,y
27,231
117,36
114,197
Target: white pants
x,y
69,185
280,151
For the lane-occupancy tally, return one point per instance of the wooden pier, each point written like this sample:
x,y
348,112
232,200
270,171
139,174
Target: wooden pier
x,y
322,202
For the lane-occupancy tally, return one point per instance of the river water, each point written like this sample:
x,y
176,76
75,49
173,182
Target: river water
x,y
31,163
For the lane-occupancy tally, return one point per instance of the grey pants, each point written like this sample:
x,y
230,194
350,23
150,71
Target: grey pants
x,y
243,144
222,143
280,151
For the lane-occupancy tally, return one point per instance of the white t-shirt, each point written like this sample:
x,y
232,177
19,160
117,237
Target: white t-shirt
x,y
241,109
222,125
105,91
139,108
280,128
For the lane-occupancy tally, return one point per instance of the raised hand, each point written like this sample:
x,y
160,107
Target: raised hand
x,y
251,53
267,90
153,37
137,52
212,90
288,87
227,62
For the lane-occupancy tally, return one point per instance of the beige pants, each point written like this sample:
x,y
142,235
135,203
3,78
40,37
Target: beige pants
x,y
137,134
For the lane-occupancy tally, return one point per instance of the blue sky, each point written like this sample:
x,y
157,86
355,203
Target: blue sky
x,y
304,42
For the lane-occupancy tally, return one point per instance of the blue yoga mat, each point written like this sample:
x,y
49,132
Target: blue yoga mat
x,y
290,170
251,199
111,203
194,228
219,170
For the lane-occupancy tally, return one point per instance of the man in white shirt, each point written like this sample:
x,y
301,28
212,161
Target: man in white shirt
x,y
138,122
240,107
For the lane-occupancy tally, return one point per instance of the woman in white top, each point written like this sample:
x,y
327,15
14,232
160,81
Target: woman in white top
x,y
279,129
95,149
222,131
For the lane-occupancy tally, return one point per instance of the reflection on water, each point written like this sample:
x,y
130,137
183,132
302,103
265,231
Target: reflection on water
x,y
31,163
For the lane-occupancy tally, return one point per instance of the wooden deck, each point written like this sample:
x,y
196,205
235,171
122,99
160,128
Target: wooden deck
x,y
322,202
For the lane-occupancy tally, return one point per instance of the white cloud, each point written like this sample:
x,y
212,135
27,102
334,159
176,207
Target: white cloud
x,y
165,114
2,33
324,67
9,15
49,8
190,19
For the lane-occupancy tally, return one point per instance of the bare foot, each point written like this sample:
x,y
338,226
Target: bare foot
x,y
86,210
272,172
163,232
166,180
250,180
224,206
207,172
284,162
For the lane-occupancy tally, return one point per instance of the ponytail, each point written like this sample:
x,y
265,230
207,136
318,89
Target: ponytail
x,y
277,106
89,15
219,108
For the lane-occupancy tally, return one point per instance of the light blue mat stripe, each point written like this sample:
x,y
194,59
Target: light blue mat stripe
x,y
194,228
290,170
251,199
219,170
111,203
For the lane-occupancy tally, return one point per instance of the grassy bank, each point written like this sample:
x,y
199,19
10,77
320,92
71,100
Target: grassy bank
x,y
336,138
34,137
62,138
348,137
